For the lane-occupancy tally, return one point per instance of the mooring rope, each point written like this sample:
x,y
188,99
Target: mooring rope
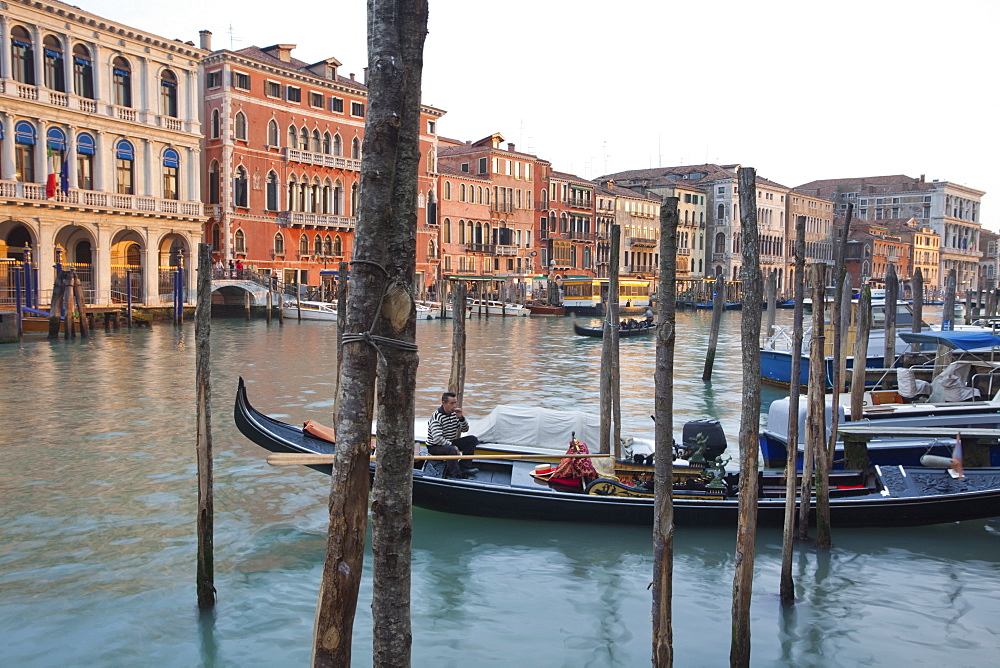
x,y
372,339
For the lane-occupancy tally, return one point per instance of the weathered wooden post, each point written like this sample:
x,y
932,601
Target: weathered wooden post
x,y
342,291
609,358
851,461
917,288
718,303
67,299
787,586
746,532
382,267
822,456
246,305
456,383
56,303
81,305
205,577
816,413
943,358
270,305
891,298
663,375
968,306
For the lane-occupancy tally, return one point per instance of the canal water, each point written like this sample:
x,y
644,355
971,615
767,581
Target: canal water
x,y
97,532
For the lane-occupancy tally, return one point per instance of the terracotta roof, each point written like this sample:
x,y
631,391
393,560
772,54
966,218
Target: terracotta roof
x,y
618,191
864,184
684,174
258,54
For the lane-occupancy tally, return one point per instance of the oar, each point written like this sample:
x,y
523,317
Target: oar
x,y
310,459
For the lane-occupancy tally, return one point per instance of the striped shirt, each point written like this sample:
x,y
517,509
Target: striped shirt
x,y
443,428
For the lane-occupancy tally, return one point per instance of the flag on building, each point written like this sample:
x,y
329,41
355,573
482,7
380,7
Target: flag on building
x,y
50,183
64,175
956,458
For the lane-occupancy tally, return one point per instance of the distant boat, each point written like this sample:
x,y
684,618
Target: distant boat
x,y
310,310
546,309
642,330
498,308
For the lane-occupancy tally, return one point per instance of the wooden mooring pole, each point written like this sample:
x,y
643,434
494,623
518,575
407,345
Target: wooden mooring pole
x,y
663,513
815,397
787,586
456,383
891,299
609,347
718,304
746,531
205,576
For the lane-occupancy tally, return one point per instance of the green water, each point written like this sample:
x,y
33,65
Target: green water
x,y
97,543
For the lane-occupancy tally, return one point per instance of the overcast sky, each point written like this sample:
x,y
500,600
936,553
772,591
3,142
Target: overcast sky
x,y
798,89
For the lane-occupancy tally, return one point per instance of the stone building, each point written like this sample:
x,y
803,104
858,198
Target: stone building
x,y
283,150
950,209
818,214
100,149
638,218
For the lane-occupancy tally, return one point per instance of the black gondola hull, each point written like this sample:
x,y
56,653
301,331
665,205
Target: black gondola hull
x,y
598,332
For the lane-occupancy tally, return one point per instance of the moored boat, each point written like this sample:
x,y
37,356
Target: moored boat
x,y
310,310
640,329
884,497
489,307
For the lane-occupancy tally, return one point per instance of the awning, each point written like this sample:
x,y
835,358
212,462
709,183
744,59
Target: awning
x,y
958,339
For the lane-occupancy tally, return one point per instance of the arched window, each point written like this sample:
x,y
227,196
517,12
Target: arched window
x,y
303,245
216,124
720,242
272,191
304,139
446,230
240,194
479,194
122,82
317,245
431,161
338,246
338,199
327,143
326,199
479,233
487,193
24,152
83,72
461,231
240,126
85,161
317,196
293,136
240,242
431,207
279,244
293,189
354,199
213,182
447,190
328,245
720,215
470,235
317,143
338,145
586,257
22,53
55,73
171,163
168,93
124,157
272,133
486,233
356,149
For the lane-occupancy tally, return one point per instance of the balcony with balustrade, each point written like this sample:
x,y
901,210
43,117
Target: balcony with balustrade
x,y
321,159
94,200
319,221
641,242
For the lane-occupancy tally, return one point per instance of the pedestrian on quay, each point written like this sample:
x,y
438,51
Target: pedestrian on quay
x,y
444,437
239,269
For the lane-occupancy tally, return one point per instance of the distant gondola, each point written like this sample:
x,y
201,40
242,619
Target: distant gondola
x,y
885,497
641,329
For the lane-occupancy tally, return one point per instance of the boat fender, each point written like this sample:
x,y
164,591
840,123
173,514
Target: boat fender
x,y
935,461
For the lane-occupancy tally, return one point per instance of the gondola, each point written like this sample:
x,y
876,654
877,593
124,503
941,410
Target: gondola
x,y
889,496
641,329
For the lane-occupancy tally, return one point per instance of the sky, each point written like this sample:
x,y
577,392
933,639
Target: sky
x,y
798,89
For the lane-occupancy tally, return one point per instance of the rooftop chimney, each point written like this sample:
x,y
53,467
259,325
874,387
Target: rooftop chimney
x,y
206,39
510,146
352,76
921,178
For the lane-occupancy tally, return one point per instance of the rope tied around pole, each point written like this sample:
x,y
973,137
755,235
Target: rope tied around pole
x,y
374,340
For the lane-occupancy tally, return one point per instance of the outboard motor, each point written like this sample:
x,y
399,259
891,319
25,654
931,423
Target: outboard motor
x,y
711,431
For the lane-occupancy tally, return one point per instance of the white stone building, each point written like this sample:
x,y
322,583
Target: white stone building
x,y
99,151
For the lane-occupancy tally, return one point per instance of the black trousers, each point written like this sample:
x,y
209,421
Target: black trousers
x,y
466,445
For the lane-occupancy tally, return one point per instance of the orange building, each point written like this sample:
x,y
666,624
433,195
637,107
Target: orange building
x,y
283,151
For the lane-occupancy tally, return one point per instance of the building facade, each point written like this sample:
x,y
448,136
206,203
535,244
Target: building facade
x,y
100,151
638,219
283,150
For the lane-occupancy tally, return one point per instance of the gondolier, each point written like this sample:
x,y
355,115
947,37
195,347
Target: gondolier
x,y
444,437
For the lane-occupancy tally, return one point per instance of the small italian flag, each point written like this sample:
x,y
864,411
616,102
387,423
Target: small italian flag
x,y
50,183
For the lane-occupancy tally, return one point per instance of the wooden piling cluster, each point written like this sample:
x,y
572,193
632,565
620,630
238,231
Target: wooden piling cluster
x,y
67,298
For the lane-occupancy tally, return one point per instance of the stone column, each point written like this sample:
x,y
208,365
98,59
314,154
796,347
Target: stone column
x,y
146,114
102,265
147,167
151,268
67,42
102,179
100,71
7,157
192,164
5,51
39,51
70,154
41,155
